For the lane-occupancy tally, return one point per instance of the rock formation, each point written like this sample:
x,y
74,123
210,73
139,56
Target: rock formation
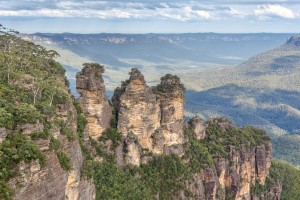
x,y
153,115
151,122
198,126
235,175
171,94
52,181
93,100
139,111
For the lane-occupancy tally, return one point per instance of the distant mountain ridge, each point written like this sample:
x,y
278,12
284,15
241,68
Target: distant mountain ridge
x,y
156,54
294,40
266,70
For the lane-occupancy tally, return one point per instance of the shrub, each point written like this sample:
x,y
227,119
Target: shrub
x,y
113,182
13,150
113,135
6,119
40,135
26,113
64,130
54,144
64,160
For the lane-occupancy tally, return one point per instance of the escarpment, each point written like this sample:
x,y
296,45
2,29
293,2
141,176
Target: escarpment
x,y
40,154
60,176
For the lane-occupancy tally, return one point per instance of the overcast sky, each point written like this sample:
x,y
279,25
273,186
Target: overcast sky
x,y
141,16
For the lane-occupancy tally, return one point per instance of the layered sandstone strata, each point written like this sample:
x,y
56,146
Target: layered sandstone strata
x,y
93,99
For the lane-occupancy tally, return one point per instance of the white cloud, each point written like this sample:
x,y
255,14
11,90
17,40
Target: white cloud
x,y
189,13
143,10
103,14
267,11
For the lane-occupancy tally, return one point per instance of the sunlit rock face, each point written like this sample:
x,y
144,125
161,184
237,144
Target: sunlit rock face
x,y
198,126
234,176
51,181
171,94
153,115
93,100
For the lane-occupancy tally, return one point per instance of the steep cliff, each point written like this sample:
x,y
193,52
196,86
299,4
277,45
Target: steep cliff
x,y
241,159
153,115
40,156
93,100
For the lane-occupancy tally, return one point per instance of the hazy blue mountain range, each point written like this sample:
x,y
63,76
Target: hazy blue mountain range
x,y
156,54
263,91
221,77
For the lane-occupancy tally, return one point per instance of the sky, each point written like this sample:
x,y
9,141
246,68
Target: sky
x,y
152,16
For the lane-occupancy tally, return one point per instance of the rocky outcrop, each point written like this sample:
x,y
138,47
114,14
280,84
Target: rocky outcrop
x,y
138,111
93,99
171,94
27,129
234,176
198,126
150,121
51,181
153,115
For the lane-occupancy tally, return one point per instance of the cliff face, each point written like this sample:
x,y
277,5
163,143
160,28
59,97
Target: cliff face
x,y
171,94
138,111
93,100
153,115
51,181
236,173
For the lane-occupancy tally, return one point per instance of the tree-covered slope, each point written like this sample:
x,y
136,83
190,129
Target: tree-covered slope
x,y
37,124
276,111
290,177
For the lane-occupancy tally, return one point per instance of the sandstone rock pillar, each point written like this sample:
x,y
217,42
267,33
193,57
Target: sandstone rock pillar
x,y
93,100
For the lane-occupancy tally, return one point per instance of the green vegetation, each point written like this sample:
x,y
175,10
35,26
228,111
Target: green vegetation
x,y
6,118
13,150
113,182
162,176
113,135
32,85
290,177
31,82
165,176
217,141
285,173
287,148
197,152
64,160
64,130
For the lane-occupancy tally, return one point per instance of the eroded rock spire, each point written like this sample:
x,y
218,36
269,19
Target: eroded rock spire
x,y
93,99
